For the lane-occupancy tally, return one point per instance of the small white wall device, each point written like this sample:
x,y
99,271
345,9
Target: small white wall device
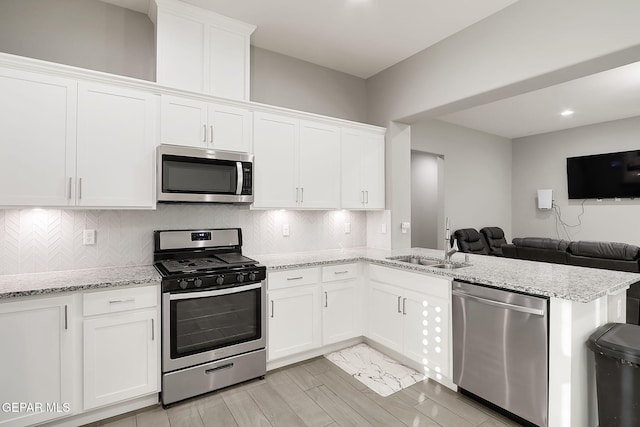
x,y
545,199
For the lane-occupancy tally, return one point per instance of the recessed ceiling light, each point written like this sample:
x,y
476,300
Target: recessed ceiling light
x,y
566,113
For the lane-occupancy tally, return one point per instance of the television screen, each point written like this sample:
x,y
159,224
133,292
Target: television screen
x,y
604,176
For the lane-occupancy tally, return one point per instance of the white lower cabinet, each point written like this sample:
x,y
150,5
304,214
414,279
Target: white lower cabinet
x,y
294,321
410,314
121,350
341,312
38,362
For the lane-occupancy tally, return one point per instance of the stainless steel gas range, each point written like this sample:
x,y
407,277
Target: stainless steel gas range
x,y
213,312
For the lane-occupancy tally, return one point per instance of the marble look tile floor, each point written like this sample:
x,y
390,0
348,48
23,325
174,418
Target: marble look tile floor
x,y
317,393
377,371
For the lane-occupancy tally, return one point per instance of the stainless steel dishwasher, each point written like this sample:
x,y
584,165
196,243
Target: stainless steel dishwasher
x,y
500,349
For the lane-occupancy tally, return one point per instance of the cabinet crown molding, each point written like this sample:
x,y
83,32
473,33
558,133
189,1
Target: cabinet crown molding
x,y
199,14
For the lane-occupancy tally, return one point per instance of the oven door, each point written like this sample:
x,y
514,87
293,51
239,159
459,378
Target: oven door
x,y
188,174
203,326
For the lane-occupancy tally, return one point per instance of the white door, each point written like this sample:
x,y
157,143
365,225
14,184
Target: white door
x,y
37,139
227,64
120,357
180,52
294,321
229,128
116,135
183,122
373,171
37,359
339,313
275,179
319,159
385,315
351,166
415,332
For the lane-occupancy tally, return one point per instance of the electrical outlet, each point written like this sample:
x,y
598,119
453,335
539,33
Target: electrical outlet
x,y
285,230
347,227
383,228
89,237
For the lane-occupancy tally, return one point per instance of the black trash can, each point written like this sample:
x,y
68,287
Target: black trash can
x,y
617,355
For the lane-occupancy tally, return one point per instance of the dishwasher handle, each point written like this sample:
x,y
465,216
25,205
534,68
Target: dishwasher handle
x,y
505,305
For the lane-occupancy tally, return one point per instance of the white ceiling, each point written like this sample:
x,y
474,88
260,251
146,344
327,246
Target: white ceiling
x,y
358,37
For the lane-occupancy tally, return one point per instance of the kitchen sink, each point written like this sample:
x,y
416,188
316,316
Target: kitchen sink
x,y
429,262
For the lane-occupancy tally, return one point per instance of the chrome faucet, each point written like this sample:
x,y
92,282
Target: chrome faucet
x,y
449,248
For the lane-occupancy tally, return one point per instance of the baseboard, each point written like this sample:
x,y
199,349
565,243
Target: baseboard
x,y
320,351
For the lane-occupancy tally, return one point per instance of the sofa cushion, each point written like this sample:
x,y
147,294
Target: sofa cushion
x,y
541,243
470,241
608,250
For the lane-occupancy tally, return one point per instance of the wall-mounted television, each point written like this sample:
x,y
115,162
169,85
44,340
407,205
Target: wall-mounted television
x,y
604,176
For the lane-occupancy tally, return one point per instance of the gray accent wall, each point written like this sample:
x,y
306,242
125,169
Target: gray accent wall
x,y
284,81
83,33
539,162
477,174
424,200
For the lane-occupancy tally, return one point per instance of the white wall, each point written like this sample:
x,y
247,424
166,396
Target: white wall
x,y
477,173
424,200
37,240
284,81
83,33
540,162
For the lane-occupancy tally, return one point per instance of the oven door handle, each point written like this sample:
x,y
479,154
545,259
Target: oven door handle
x,y
226,291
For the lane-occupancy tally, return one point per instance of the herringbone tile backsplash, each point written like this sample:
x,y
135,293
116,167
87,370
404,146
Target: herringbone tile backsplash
x,y
37,240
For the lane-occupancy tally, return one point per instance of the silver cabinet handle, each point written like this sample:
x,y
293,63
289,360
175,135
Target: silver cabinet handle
x,y
117,301
212,370
297,194
404,306
211,134
66,319
506,306
301,194
272,311
79,188
326,299
399,311
366,192
362,196
294,278
204,133
69,189
341,272
153,331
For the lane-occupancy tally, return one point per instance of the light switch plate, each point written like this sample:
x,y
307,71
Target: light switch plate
x,y
383,228
285,230
89,237
347,227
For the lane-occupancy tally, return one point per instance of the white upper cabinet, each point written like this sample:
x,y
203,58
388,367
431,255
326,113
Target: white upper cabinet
x,y
196,123
296,163
201,51
37,138
363,178
116,142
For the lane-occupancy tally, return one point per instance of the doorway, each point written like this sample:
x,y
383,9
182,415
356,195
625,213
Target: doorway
x,y
427,201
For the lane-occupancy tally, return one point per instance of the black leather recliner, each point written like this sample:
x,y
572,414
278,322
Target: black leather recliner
x,y
470,241
494,236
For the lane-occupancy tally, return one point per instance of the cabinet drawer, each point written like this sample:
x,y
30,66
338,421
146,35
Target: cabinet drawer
x,y
289,278
117,300
332,273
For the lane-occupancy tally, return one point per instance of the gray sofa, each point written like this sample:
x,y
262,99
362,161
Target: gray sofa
x,y
606,255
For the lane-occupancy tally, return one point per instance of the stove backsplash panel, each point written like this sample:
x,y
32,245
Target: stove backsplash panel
x,y
37,240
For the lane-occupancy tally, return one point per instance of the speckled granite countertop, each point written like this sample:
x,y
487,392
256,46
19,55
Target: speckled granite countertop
x,y
540,278
20,285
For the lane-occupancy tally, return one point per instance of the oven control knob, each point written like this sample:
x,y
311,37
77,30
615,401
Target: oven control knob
x,y
240,278
197,282
183,284
252,276
220,280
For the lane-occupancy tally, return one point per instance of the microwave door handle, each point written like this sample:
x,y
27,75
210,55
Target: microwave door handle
x,y
240,174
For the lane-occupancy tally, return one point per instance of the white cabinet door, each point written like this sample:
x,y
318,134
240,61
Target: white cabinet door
x,y
180,49
437,317
363,177
229,128
415,322
340,311
120,357
275,142
228,56
183,121
37,359
319,159
116,142
37,139
294,321
385,315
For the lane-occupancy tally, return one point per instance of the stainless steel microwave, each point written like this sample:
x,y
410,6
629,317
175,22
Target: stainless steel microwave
x,y
190,174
